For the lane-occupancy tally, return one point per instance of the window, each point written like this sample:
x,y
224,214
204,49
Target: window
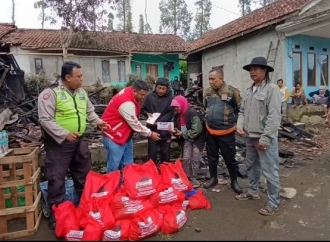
x,y
166,72
296,67
38,66
311,72
138,69
105,71
121,71
152,69
324,60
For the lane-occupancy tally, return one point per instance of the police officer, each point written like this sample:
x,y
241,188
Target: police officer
x,y
63,114
222,104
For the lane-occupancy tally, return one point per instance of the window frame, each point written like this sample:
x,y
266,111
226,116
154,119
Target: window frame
x,y
326,77
152,64
314,54
301,71
103,61
140,68
35,65
119,70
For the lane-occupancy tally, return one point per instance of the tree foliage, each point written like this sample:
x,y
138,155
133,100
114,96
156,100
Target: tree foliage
x,y
44,16
175,17
111,17
129,25
202,17
245,6
263,3
141,24
124,8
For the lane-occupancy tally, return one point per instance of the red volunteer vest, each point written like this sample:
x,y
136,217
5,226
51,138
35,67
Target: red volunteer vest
x,y
120,131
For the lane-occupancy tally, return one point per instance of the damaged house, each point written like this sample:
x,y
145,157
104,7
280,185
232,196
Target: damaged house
x,y
106,56
292,34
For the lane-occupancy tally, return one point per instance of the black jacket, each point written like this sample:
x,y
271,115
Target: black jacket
x,y
156,104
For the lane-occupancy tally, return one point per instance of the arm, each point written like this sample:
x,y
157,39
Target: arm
x,y
273,118
46,112
92,117
240,119
144,107
127,111
238,99
287,95
196,129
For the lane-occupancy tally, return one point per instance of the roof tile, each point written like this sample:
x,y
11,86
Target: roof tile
x,y
259,17
107,41
6,28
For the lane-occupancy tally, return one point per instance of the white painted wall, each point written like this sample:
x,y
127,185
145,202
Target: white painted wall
x,y
234,54
91,66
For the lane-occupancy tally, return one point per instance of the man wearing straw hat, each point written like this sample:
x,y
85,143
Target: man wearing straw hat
x,y
259,119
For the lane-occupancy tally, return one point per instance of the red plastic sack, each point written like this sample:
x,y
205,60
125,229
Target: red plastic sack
x,y
140,181
98,209
145,225
173,175
168,196
66,218
119,232
199,201
123,207
173,219
92,231
181,205
74,235
98,185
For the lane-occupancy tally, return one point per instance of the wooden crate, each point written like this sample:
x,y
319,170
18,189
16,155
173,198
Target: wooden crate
x,y
20,168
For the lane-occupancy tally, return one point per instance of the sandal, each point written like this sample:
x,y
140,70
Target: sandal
x,y
267,210
247,196
324,116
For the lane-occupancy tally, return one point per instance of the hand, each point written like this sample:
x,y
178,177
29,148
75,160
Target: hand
x,y
149,115
154,136
178,133
262,147
103,125
240,132
72,136
171,130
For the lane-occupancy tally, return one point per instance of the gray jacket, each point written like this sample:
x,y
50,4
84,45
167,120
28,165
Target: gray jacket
x,y
260,112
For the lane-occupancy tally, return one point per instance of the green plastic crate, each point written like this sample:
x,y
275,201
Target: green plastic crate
x,y
20,201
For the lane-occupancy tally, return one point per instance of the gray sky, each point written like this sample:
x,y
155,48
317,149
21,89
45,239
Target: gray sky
x,y
223,11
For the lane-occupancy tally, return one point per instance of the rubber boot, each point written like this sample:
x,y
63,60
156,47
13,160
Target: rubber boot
x,y
233,181
51,220
213,177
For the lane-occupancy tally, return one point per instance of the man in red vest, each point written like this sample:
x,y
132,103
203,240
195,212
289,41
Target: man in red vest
x,y
122,116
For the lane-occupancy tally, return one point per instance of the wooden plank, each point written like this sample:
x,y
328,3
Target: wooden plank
x,y
3,221
28,196
19,195
21,155
19,172
13,190
26,209
21,182
22,233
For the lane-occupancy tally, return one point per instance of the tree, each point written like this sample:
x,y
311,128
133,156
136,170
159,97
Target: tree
x,y
43,16
129,25
13,12
263,3
245,6
124,7
111,17
141,24
77,16
202,17
175,18
147,28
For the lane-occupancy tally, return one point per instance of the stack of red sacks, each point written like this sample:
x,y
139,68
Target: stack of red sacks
x,y
147,202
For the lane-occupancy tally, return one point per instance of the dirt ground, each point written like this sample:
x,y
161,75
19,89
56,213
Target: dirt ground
x,y
305,217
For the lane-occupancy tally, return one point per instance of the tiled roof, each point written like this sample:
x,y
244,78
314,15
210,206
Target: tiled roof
x,y
5,29
258,18
107,41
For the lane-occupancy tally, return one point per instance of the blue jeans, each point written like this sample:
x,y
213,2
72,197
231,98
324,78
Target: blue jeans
x,y
267,162
118,155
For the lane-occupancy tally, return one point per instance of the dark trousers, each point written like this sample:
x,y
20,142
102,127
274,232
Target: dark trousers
x,y
59,159
164,148
227,146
